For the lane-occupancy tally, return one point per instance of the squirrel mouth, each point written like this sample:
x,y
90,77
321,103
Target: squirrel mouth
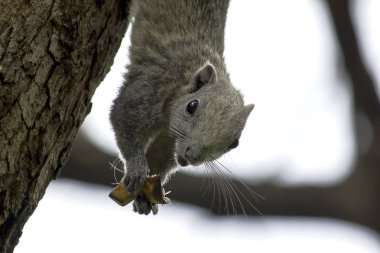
x,y
182,161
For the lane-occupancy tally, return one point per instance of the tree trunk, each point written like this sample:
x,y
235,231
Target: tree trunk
x,y
53,54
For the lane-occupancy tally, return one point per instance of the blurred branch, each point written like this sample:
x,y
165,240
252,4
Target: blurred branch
x,y
366,102
364,90
351,201
88,163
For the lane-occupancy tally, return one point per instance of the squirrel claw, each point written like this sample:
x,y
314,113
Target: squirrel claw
x,y
143,206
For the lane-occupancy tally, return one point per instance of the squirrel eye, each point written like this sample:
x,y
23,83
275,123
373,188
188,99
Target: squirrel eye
x,y
234,144
192,107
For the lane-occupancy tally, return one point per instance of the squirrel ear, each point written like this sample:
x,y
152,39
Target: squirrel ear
x,y
204,75
248,109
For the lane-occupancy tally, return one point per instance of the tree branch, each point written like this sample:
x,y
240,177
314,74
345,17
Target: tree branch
x,y
364,90
353,200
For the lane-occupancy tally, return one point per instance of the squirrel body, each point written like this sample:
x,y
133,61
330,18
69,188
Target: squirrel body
x,y
177,104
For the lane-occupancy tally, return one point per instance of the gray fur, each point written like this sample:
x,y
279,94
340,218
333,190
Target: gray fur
x,y
176,57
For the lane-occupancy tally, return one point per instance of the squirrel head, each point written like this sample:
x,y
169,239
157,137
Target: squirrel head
x,y
208,117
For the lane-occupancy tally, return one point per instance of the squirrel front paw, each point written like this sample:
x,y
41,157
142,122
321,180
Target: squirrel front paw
x,y
134,182
142,206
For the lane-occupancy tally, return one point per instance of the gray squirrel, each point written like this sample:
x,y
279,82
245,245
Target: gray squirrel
x,y
177,104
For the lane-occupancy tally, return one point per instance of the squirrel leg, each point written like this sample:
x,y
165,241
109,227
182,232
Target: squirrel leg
x,y
136,171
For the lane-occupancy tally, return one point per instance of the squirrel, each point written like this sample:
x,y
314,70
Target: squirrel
x,y
177,105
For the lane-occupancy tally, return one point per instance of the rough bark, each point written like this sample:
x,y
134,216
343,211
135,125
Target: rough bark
x,y
53,54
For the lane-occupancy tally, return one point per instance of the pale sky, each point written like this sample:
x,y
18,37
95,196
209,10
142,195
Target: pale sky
x,y
282,56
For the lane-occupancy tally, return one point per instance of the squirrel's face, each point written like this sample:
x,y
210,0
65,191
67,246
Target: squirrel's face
x,y
208,120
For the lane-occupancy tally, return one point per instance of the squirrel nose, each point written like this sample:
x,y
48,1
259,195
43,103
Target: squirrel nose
x,y
187,151
192,155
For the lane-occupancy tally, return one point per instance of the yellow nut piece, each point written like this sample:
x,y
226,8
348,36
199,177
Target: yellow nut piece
x,y
152,191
